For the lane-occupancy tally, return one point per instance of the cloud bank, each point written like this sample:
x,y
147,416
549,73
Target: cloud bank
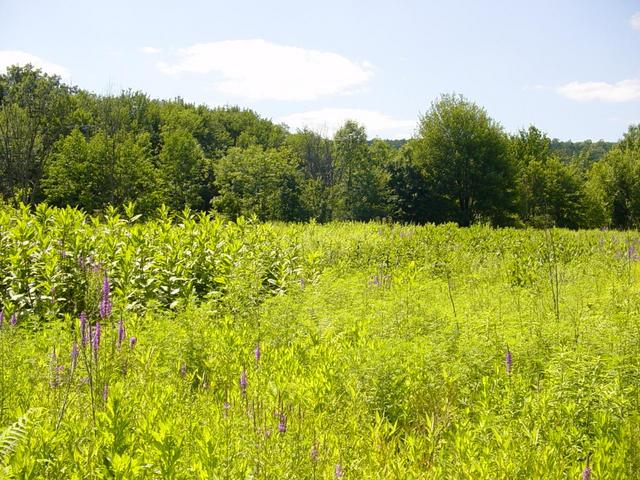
x,y
257,70
623,91
327,120
16,57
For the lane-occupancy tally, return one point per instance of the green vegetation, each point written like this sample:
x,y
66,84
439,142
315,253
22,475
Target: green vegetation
x,y
345,350
65,146
217,343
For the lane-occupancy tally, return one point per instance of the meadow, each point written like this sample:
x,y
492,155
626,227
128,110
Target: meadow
x,y
189,346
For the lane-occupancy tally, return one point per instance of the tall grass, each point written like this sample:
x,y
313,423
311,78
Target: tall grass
x,y
383,350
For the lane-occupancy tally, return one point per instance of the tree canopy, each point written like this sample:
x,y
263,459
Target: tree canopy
x,y
465,158
67,146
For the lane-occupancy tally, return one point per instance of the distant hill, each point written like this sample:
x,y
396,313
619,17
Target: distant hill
x,y
586,153
395,144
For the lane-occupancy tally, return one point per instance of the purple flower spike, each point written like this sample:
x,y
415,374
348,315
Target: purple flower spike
x,y
586,473
508,361
226,408
315,453
1,318
105,392
105,301
243,382
282,426
13,321
257,353
74,355
95,341
183,369
132,342
84,331
339,471
121,332
56,376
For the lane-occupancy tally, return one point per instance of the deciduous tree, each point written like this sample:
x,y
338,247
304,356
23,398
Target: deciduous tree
x,y
465,158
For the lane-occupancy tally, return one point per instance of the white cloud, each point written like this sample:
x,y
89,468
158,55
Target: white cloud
x,y
635,21
328,120
256,69
623,91
16,57
150,50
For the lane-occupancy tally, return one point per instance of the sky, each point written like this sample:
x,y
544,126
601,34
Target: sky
x,y
569,67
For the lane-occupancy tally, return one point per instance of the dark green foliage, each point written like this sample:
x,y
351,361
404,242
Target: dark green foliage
x,y
614,184
549,191
359,190
264,183
67,146
465,158
181,166
35,111
315,160
393,144
411,198
583,154
100,172
315,155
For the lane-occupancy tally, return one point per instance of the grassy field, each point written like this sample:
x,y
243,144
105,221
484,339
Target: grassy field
x,y
356,351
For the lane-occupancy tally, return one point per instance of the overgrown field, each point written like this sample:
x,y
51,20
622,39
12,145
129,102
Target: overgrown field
x,y
192,347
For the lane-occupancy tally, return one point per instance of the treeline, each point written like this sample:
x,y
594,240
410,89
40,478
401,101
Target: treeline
x,y
66,146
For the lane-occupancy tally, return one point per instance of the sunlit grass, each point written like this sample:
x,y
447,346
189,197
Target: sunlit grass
x,y
383,351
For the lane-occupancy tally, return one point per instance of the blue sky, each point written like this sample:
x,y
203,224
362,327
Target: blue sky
x,y
572,68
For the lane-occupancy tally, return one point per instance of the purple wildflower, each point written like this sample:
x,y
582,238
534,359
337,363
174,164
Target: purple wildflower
x,y
74,355
257,353
586,473
508,361
339,471
105,301
1,318
315,453
282,426
243,382
56,376
183,369
225,409
54,380
105,392
95,341
13,321
121,332
84,331
132,342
